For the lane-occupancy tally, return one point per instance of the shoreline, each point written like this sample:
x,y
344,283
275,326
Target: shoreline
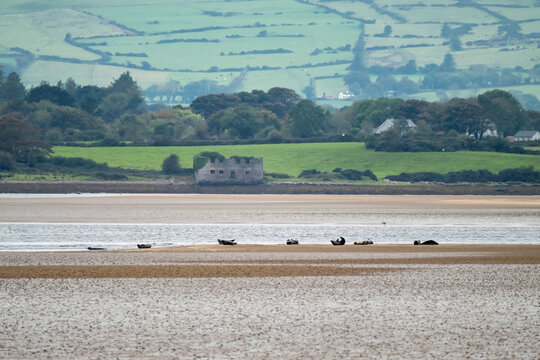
x,y
63,187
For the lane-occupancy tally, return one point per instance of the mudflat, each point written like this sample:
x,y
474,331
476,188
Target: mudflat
x,y
273,302
206,261
209,209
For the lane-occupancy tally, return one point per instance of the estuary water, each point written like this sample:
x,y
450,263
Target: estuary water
x,y
78,221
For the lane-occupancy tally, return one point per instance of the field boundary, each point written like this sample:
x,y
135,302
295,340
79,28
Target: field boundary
x,y
49,187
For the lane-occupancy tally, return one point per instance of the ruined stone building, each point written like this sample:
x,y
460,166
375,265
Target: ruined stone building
x,y
232,171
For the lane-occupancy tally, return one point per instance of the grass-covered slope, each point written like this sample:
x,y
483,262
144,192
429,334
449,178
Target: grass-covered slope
x,y
293,158
288,43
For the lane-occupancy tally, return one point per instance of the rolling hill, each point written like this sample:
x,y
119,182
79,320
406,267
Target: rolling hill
x,y
306,45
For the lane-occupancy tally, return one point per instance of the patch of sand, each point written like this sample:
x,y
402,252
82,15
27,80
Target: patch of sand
x,y
212,209
300,260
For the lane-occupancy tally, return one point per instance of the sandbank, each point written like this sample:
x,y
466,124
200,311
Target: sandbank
x,y
218,261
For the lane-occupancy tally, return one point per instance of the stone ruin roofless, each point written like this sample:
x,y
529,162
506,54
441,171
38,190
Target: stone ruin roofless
x,y
237,170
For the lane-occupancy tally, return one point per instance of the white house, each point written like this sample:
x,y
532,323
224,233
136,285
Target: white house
x,y
527,135
345,95
389,124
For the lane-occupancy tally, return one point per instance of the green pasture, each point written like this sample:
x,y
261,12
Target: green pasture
x,y
293,158
40,27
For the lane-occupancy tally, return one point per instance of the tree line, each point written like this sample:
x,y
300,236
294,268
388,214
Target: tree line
x,y
31,120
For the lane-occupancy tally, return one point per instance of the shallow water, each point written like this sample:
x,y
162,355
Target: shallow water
x,y
34,222
41,237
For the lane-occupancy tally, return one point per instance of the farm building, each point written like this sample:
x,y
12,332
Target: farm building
x,y
233,171
527,135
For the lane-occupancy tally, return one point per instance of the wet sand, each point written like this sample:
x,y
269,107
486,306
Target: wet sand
x,y
268,301
270,209
207,261
273,302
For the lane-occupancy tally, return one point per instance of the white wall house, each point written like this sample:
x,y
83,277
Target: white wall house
x,y
527,135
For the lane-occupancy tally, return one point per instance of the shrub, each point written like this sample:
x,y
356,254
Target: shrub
x,y
277,175
201,159
6,161
171,165
308,173
523,174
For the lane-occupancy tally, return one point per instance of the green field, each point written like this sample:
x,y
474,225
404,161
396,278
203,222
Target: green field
x,y
300,27
293,158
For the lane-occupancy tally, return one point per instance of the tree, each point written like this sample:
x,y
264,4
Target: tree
x,y
358,52
124,96
464,116
455,43
510,29
208,105
448,64
89,98
360,79
54,94
171,165
502,108
242,121
284,95
406,86
21,140
13,88
1,83
375,112
446,31
308,119
130,128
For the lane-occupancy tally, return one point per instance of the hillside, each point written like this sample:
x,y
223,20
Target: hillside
x,y
185,48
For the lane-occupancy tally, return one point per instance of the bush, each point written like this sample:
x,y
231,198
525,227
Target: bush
x,y
201,159
6,161
351,174
277,175
308,173
171,165
525,174
77,162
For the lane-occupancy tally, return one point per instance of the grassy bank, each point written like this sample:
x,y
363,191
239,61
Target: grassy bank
x,y
293,158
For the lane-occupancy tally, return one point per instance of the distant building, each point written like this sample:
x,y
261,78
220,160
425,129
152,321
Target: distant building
x,y
232,171
389,124
527,135
345,95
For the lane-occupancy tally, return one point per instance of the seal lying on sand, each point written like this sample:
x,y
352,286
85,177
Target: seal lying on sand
x,y
365,242
340,241
427,242
226,242
144,246
96,248
292,242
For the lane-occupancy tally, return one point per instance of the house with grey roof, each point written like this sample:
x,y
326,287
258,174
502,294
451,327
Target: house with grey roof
x,y
527,136
389,124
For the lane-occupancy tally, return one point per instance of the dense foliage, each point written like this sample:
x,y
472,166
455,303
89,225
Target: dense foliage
x,y
526,175
67,113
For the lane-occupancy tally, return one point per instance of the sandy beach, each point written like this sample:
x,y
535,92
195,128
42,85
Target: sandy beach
x,y
275,302
252,301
